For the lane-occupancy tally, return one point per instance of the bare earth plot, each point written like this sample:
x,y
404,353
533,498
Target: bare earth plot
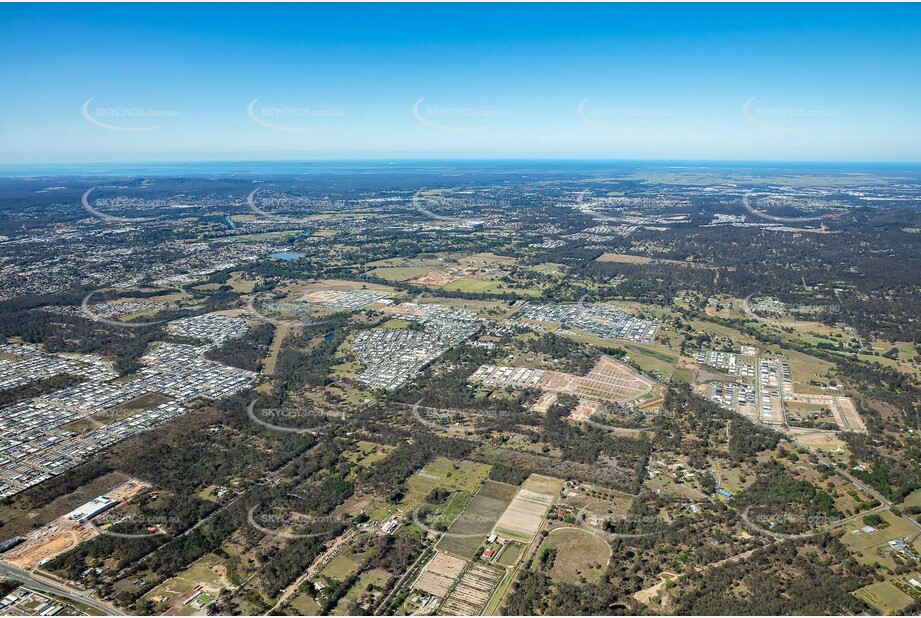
x,y
524,516
624,258
439,574
473,591
851,420
842,408
436,278
609,381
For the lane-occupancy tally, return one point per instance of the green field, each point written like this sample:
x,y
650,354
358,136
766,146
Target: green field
x,y
913,499
885,597
340,567
468,284
872,547
201,572
510,554
305,605
395,324
472,285
443,473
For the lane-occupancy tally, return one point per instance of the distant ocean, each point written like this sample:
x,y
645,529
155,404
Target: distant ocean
x,y
271,168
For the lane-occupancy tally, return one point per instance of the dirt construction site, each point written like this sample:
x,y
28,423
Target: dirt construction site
x,y
63,534
609,381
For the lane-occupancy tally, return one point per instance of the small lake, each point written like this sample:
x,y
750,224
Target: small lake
x,y
287,255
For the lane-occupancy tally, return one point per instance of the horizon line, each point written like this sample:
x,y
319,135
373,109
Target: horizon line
x,y
458,159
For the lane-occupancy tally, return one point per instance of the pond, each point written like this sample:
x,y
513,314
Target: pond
x,y
287,255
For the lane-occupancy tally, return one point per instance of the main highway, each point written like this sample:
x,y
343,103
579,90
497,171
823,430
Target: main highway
x,y
41,583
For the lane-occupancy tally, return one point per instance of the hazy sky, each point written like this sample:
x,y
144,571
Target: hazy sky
x,y
112,83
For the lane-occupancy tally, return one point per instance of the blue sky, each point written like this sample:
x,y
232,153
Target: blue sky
x,y
134,83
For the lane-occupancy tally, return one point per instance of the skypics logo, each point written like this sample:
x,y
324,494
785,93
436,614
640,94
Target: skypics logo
x,y
457,119
435,523
126,119
124,202
424,201
284,419
112,524
84,201
91,313
288,524
277,204
775,202
619,118
447,418
787,119
757,523
261,309
299,119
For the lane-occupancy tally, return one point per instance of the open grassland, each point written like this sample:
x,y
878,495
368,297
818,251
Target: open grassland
x,y
395,324
281,332
603,503
580,555
304,605
401,273
805,368
469,284
488,259
913,499
365,454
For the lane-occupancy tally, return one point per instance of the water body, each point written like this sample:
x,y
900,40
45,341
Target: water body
x,y
411,166
287,255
